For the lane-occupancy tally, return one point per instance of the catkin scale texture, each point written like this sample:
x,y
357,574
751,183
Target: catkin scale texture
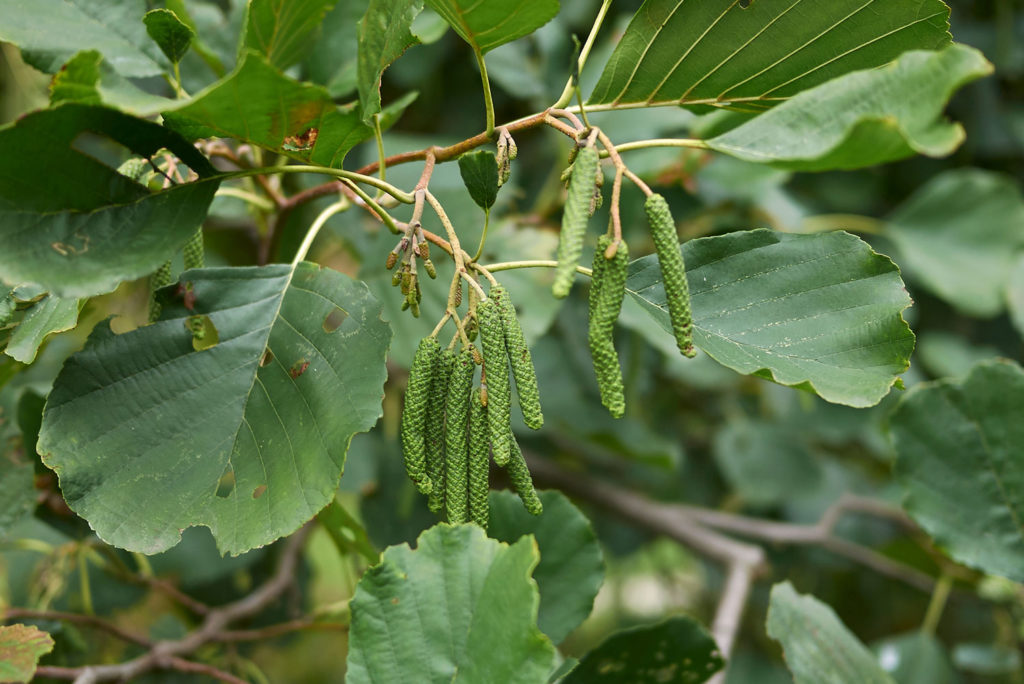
x,y
520,360
574,219
435,430
456,444
499,391
673,271
522,483
193,251
479,462
424,367
606,293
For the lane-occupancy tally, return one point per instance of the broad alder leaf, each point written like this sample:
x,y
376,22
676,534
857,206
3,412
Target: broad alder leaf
x,y
486,24
819,312
384,34
82,238
259,104
459,609
172,35
248,436
721,52
479,171
960,461
21,647
283,31
818,647
864,118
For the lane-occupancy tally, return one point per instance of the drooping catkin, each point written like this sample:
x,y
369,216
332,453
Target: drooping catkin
x,y
456,461
499,391
193,251
673,271
161,278
435,430
520,360
522,482
574,219
424,367
606,292
479,462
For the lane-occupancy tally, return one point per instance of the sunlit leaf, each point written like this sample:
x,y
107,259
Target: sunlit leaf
x,y
50,315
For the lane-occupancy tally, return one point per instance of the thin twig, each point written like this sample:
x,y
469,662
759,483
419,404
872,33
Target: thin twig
x,y
89,620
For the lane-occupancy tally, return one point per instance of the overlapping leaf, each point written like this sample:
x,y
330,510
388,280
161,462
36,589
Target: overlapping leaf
x,y
863,118
461,608
960,447
248,436
283,30
86,78
820,312
258,104
819,649
49,315
81,238
756,54
486,24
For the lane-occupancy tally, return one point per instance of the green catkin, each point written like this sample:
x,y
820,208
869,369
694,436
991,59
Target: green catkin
x,y
456,462
162,277
673,271
435,430
606,292
479,462
193,251
414,413
522,482
499,391
574,219
520,360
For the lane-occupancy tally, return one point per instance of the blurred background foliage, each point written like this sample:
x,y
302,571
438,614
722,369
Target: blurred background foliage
x,y
694,432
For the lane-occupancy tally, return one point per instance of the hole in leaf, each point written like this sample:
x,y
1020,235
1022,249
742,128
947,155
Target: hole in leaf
x,y
744,4
226,484
267,357
258,492
298,368
334,319
204,332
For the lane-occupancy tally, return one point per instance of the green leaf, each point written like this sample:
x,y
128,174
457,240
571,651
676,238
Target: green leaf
x,y
50,315
486,24
915,658
818,647
248,437
461,608
987,659
959,235
1015,295
258,104
84,238
479,171
864,118
49,32
723,52
283,30
17,487
819,312
87,79
571,568
959,461
173,36
764,463
21,647
384,34
676,651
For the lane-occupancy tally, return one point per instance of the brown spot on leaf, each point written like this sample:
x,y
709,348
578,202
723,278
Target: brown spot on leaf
x,y
301,142
334,319
186,292
298,368
258,492
267,357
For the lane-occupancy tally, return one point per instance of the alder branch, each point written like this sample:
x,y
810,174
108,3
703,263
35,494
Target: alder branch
x,y
89,620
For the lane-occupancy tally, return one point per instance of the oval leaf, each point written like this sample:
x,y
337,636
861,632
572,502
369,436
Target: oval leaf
x,y
248,436
479,171
864,118
818,647
960,460
758,53
486,24
571,569
819,312
173,36
461,608
676,651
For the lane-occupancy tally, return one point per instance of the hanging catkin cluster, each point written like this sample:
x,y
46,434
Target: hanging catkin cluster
x,y
449,429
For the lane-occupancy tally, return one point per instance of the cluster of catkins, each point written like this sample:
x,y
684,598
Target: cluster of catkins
x,y
611,262
451,430
413,244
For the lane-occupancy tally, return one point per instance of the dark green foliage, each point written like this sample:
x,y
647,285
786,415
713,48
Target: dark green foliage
x,y
425,366
574,218
520,360
456,445
522,483
673,271
606,292
479,463
435,429
499,391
